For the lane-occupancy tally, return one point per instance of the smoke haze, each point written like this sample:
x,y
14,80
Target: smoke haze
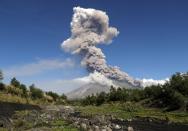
x,y
89,28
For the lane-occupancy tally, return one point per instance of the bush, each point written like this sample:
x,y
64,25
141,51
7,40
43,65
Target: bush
x,y
55,96
36,92
136,95
130,107
1,75
24,90
176,101
171,95
179,82
63,97
48,98
186,107
14,91
2,87
101,98
89,100
14,82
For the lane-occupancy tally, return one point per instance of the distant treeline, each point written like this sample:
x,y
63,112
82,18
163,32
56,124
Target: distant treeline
x,y
172,95
30,93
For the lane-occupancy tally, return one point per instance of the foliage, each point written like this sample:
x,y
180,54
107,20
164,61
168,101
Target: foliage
x,y
54,95
36,93
170,96
2,87
18,92
1,75
177,101
101,98
89,100
179,82
14,82
63,97
119,94
13,90
19,86
131,110
11,98
130,107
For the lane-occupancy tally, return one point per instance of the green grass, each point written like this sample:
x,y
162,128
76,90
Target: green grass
x,y
120,110
61,125
54,125
4,97
3,129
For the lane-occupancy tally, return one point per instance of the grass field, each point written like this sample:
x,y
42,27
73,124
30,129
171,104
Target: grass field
x,y
128,111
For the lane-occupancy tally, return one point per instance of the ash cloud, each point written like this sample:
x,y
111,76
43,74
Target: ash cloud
x,y
89,28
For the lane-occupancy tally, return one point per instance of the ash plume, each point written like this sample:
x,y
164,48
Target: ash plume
x,y
89,28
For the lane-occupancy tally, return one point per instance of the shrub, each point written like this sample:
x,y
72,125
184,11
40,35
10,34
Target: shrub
x,y
1,75
100,98
2,87
54,95
136,95
186,106
14,91
89,100
179,82
24,90
14,82
63,97
49,98
176,101
36,92
130,107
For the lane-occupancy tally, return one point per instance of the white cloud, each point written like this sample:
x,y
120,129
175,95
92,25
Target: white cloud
x,y
149,82
61,86
65,86
38,67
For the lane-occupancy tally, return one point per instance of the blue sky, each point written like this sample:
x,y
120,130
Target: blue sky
x,y
152,43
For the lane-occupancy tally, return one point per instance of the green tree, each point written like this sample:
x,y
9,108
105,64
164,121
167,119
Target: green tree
x,y
136,95
1,75
176,101
89,100
36,93
15,82
112,95
24,89
124,95
2,86
63,97
100,98
179,82
54,95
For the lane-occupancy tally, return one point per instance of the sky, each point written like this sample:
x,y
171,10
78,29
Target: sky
x,y
152,42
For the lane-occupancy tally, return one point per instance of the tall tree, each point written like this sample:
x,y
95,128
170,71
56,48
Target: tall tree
x,y
1,75
2,86
36,92
15,82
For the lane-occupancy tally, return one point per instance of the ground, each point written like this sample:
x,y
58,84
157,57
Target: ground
x,y
107,117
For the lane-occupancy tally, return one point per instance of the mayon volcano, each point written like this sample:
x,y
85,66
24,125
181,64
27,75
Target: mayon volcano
x,y
90,28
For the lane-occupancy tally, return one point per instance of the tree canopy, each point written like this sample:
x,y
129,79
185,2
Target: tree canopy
x,y
171,96
1,75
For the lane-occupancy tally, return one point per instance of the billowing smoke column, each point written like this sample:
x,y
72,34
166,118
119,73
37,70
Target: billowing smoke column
x,y
89,28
